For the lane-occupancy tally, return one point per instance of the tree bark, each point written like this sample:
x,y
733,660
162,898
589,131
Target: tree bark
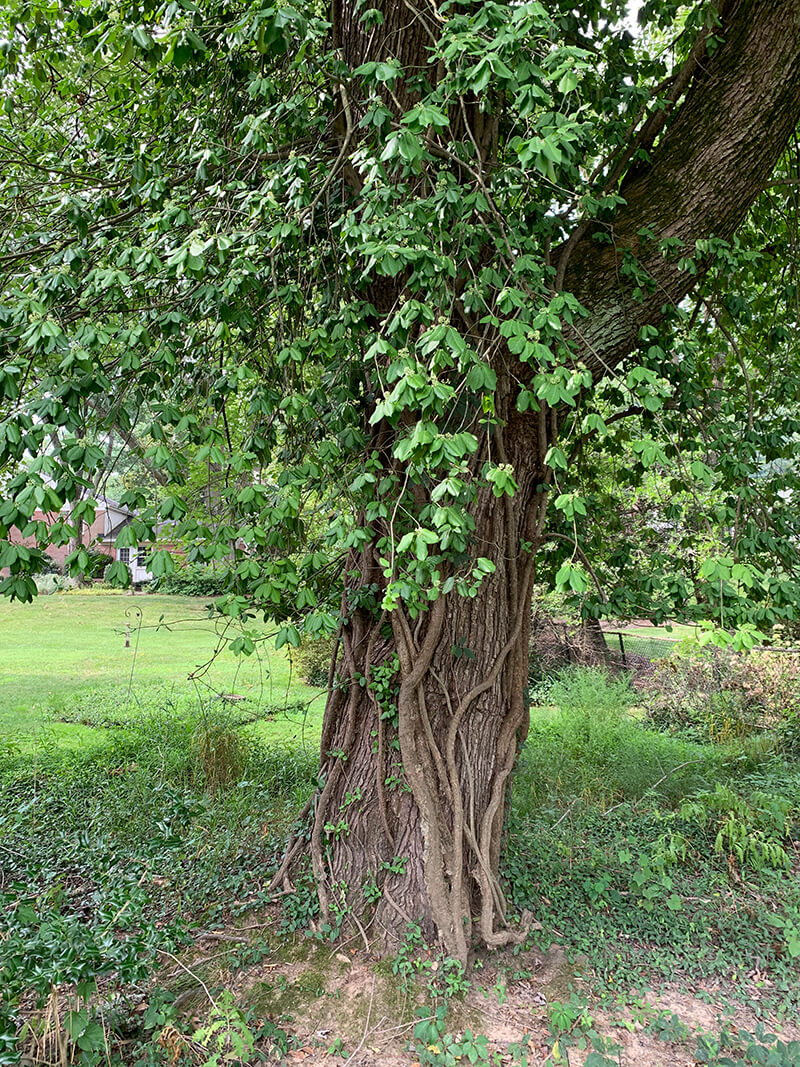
x,y
418,769
422,773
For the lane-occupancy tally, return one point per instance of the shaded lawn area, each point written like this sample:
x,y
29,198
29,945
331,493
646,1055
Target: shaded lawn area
x,y
67,651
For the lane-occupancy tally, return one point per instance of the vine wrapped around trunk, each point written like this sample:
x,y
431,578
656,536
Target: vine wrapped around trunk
x,y
408,824
422,727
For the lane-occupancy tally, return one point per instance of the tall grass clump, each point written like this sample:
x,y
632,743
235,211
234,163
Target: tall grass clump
x,y
587,743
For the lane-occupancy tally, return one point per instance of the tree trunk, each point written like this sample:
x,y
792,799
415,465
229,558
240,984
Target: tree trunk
x,y
76,542
421,732
714,158
426,715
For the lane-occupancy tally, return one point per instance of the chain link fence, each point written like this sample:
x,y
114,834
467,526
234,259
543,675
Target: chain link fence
x,y
632,650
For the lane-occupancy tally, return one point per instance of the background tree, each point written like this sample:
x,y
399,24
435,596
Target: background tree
x,y
415,242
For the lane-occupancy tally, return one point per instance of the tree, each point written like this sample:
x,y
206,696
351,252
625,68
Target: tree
x,y
414,244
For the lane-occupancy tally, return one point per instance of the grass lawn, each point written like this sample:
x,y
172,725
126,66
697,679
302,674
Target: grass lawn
x,y
65,648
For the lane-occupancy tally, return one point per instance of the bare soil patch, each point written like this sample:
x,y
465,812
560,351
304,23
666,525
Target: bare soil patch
x,y
341,1006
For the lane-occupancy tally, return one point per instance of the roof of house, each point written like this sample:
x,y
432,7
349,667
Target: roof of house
x,y
112,533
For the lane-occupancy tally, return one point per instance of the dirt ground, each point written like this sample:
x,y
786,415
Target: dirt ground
x,y
342,1007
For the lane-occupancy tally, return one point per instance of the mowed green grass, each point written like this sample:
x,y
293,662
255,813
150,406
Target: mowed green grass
x,y
64,647
675,631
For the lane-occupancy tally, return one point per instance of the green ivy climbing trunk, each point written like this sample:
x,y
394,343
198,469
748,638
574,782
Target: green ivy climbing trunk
x,y
425,715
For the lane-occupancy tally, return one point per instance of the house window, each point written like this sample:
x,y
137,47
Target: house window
x,y
124,555
141,556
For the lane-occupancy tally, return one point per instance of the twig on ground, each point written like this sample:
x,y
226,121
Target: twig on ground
x,y
213,935
360,1045
191,973
566,813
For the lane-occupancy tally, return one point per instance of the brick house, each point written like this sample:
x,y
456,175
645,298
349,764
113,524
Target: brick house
x,y
110,518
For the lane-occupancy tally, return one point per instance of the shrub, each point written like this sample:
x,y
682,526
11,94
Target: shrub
x,y
49,583
788,732
312,660
587,690
193,581
98,562
750,830
720,695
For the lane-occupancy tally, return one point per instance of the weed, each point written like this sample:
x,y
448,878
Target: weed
x,y
584,750
564,1016
571,1024
720,696
406,963
221,753
446,976
750,830
226,1037
448,979
435,1046
739,1048
668,1027
301,906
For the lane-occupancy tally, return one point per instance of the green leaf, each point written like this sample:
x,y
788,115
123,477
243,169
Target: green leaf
x,y
288,635
571,577
481,377
568,82
556,458
702,472
118,574
161,563
126,538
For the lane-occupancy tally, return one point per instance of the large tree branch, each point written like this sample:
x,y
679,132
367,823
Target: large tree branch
x,y
716,155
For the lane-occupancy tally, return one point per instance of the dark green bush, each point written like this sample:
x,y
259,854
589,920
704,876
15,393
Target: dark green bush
x,y
194,581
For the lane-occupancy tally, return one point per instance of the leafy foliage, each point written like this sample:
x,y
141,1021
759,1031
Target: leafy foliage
x,y
364,300
195,581
175,278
